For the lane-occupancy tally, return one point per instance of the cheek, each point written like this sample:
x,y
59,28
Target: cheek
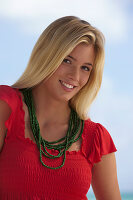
x,y
84,80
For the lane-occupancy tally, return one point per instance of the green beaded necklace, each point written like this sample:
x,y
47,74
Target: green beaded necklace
x,y
69,139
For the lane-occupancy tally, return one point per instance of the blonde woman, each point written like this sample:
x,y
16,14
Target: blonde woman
x,y
50,149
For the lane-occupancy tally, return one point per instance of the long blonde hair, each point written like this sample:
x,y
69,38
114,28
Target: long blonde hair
x,y
55,43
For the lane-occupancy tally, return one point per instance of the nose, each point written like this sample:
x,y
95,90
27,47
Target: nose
x,y
74,73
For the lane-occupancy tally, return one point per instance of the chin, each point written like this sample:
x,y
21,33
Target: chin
x,y
68,98
65,99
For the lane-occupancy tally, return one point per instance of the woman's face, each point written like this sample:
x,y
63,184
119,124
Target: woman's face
x,y
72,74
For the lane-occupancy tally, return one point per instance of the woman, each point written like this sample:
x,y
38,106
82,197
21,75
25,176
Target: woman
x,y
49,148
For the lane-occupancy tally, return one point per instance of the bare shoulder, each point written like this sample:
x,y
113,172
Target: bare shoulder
x,y
104,179
5,112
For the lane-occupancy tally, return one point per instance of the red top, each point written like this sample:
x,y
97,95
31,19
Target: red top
x,y
22,175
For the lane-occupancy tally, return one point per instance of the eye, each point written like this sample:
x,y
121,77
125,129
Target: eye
x,y
67,61
85,68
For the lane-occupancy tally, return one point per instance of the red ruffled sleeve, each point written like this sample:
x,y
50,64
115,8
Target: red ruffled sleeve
x,y
9,95
102,144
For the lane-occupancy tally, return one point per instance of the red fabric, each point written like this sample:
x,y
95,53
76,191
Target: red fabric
x,y
22,175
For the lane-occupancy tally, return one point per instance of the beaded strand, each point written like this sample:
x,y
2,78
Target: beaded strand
x,y
74,125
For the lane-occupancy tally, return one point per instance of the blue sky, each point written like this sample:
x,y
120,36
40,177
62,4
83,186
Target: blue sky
x,y
21,23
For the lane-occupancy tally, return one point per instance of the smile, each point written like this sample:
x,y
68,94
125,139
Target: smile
x,y
67,85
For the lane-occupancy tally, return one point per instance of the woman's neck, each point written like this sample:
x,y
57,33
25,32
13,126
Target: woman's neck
x,y
48,109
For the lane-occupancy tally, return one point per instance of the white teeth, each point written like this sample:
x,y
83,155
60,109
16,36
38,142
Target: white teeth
x,y
67,85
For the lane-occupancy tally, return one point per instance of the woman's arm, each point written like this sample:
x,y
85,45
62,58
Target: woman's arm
x,y
5,112
104,179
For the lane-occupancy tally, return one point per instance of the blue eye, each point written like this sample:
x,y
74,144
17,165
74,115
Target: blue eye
x,y
67,61
86,68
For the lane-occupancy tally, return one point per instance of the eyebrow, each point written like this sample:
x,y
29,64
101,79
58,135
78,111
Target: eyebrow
x,y
76,60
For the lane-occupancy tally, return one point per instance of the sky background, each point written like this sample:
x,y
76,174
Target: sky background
x,y
22,22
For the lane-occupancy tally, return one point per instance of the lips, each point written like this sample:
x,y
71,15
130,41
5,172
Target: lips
x,y
67,85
